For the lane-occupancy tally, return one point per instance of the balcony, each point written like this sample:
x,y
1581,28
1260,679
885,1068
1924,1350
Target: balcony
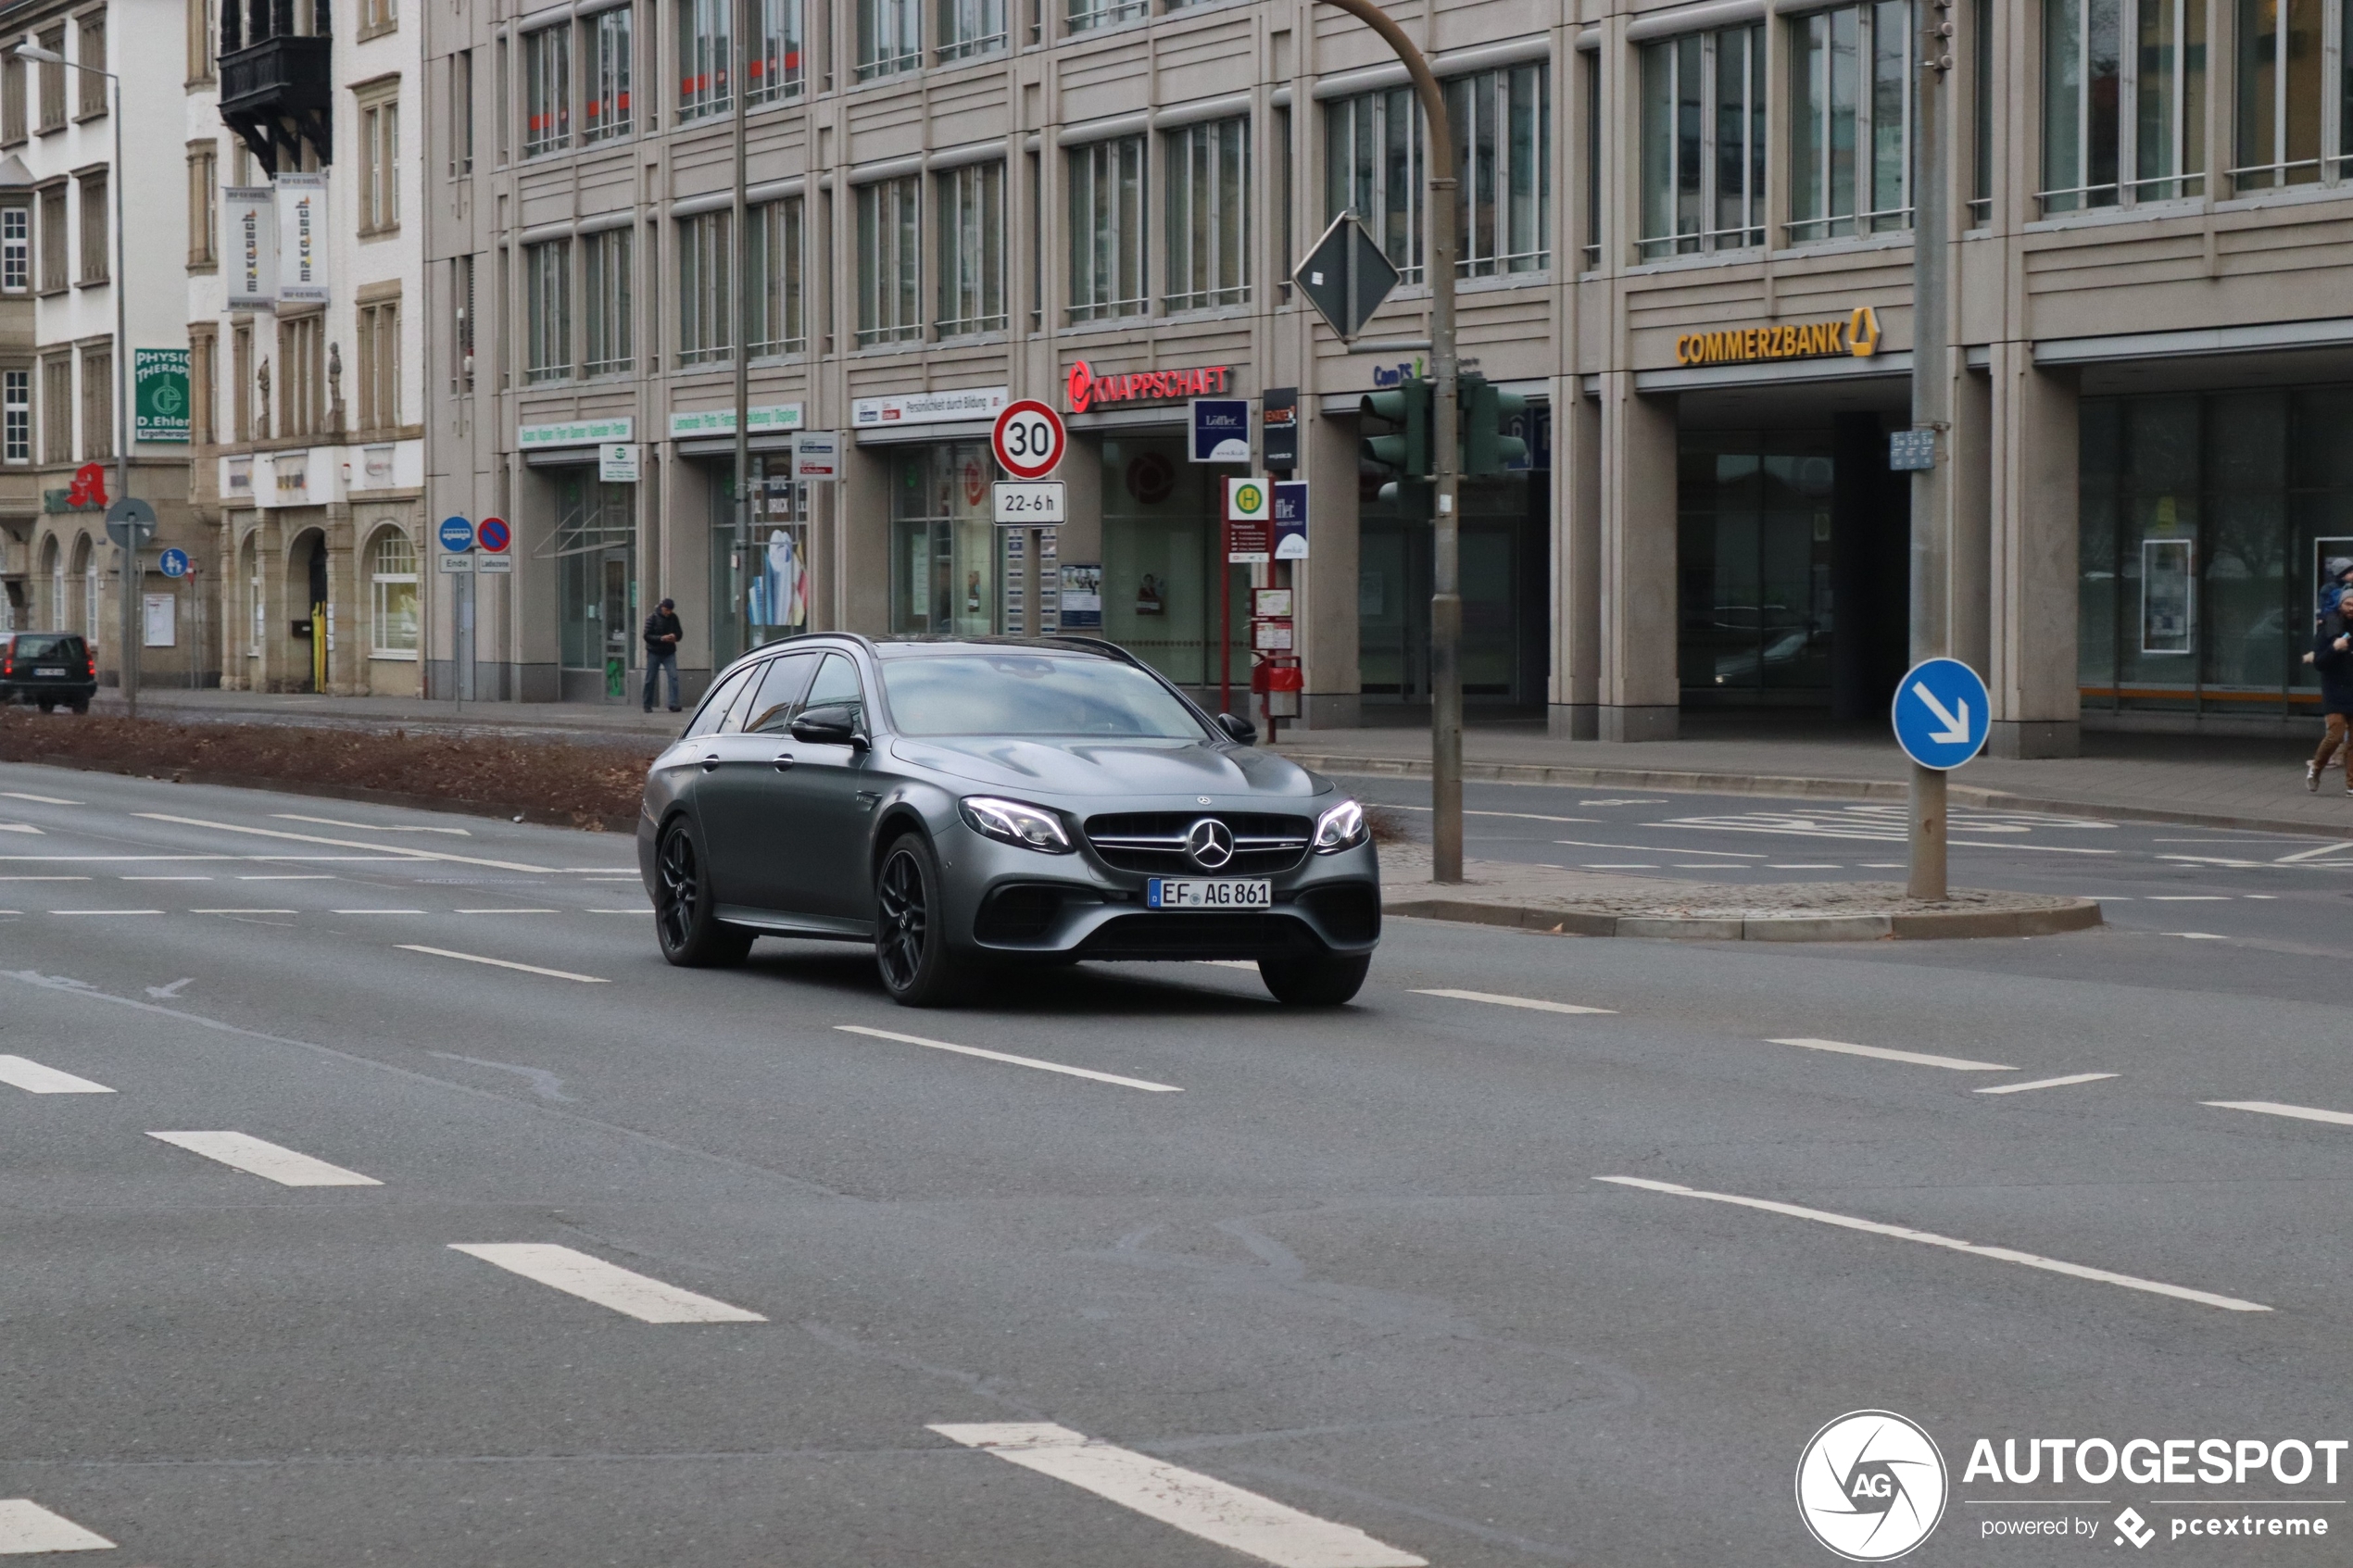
x,y
279,93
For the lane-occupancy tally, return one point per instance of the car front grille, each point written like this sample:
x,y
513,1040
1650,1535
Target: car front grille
x,y
1203,935
1153,842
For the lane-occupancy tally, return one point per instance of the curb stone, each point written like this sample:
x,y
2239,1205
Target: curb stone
x,y
2074,914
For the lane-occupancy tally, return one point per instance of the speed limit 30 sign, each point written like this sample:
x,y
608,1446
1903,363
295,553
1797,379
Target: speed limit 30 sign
x,y
1029,439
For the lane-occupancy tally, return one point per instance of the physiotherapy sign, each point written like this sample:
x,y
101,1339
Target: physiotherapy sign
x,y
159,394
1854,335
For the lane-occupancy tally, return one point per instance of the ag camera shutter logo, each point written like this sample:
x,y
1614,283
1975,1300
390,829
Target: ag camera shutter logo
x,y
1871,1486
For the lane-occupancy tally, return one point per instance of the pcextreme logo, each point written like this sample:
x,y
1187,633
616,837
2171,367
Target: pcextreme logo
x,y
1871,1486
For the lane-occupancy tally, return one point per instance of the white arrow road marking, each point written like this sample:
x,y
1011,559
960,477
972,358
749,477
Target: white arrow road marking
x,y
1144,1083
35,1079
172,993
1196,1504
1904,1232
1956,729
1917,1059
242,1151
26,1528
1534,1004
608,1285
2273,1108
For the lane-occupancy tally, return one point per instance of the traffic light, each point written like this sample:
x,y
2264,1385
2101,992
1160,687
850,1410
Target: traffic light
x,y
1404,453
1488,412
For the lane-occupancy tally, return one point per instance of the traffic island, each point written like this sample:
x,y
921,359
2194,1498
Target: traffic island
x,y
1569,903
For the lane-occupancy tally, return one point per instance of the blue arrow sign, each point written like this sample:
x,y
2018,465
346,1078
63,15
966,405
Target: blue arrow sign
x,y
456,535
1941,714
173,563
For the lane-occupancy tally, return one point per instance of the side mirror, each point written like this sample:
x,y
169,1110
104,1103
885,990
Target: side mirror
x,y
1238,729
834,724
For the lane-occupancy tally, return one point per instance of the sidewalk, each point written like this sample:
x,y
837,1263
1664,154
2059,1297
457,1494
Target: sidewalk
x,y
595,723
2201,780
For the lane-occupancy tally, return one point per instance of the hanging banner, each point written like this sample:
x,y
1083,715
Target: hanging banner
x,y
302,239
1290,520
250,221
159,394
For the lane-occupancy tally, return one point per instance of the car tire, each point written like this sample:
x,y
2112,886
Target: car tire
x,y
1326,980
691,936
911,947
81,705
48,705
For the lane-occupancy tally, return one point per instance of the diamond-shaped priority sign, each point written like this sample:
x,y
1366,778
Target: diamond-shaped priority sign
x,y
1346,277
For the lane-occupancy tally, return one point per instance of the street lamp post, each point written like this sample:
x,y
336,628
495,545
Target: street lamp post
x,y
31,50
1445,599
1931,411
738,85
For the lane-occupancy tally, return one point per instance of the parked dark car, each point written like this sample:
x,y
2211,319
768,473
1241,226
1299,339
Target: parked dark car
x,y
52,669
962,803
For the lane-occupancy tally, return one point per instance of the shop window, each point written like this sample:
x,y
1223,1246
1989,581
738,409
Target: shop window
x,y
1850,142
971,249
1703,142
705,258
944,544
1754,556
1161,594
2123,102
774,591
705,46
1209,199
392,577
546,69
605,267
1502,125
889,37
606,114
971,27
1107,230
547,310
2280,61
889,261
594,548
778,322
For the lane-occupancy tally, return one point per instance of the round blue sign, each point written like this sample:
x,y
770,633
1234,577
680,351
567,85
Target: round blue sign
x,y
1941,714
173,563
456,535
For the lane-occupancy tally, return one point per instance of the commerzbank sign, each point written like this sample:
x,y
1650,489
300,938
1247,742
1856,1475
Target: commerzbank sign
x,y
1854,334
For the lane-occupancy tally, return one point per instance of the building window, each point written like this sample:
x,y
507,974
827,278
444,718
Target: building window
x,y
204,222
889,37
605,263
1590,67
1107,230
461,105
608,107
379,166
16,249
94,256
706,258
2280,58
971,249
704,50
1373,168
1981,28
12,110
16,416
1085,14
1501,123
379,327
53,81
971,27
461,325
777,68
2098,57
1208,171
90,49
1850,153
392,579
52,240
1703,142
377,16
889,261
546,92
56,409
204,407
97,403
548,311
301,378
777,324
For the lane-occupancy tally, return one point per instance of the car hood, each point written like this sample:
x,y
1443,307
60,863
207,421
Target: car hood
x,y
1084,767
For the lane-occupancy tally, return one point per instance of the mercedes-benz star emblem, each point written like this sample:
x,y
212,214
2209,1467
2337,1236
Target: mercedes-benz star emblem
x,y
1209,844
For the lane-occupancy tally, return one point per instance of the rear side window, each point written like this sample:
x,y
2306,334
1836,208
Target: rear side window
x,y
715,706
778,698
837,686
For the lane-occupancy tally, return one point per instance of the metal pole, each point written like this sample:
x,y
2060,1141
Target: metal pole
x,y
736,84
1446,601
130,570
1932,409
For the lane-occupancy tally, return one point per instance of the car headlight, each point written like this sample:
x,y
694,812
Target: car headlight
x,y
1032,827
1342,827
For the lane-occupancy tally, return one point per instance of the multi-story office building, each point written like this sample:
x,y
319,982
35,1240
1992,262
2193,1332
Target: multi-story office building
x,y
1686,239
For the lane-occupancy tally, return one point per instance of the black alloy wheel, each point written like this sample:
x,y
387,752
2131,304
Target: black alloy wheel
x,y
911,951
691,936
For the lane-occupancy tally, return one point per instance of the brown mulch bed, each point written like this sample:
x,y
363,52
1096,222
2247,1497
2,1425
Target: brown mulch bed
x,y
596,787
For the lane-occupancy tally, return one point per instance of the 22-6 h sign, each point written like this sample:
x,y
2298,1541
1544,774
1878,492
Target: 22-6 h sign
x,y
1029,439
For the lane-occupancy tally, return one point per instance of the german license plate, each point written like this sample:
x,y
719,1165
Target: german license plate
x,y
56,670
1225,892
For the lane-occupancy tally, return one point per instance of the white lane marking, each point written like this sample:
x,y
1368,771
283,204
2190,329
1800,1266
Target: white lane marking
x,y
1196,1504
1662,850
242,1151
53,800
608,1285
2196,935
2312,853
301,876
106,911
1805,866
244,911
1705,866
2043,848
505,963
2261,897
397,849
2187,898
2273,1108
164,879
375,911
1930,1238
646,909
35,1079
369,827
1517,816
2044,1083
1917,1059
1143,1083
1534,1004
1880,865
2225,860
1621,865
509,912
43,879
20,827
27,1529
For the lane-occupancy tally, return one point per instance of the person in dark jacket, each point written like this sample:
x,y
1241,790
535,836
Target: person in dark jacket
x,y
663,631
2332,659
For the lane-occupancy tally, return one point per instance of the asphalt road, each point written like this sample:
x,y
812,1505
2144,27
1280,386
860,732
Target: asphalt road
x,y
656,1266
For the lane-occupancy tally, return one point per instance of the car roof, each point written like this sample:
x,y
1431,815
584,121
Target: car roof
x,y
36,631
912,645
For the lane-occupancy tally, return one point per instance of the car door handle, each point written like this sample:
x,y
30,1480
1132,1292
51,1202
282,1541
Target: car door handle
x,y
711,762
784,761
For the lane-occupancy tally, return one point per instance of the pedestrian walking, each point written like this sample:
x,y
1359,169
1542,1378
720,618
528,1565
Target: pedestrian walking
x,y
2332,659
663,631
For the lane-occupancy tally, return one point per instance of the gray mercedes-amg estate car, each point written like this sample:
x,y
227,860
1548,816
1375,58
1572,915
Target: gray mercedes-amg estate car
x,y
961,803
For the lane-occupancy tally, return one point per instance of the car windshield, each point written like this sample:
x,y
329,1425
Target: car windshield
x,y
1031,694
44,648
